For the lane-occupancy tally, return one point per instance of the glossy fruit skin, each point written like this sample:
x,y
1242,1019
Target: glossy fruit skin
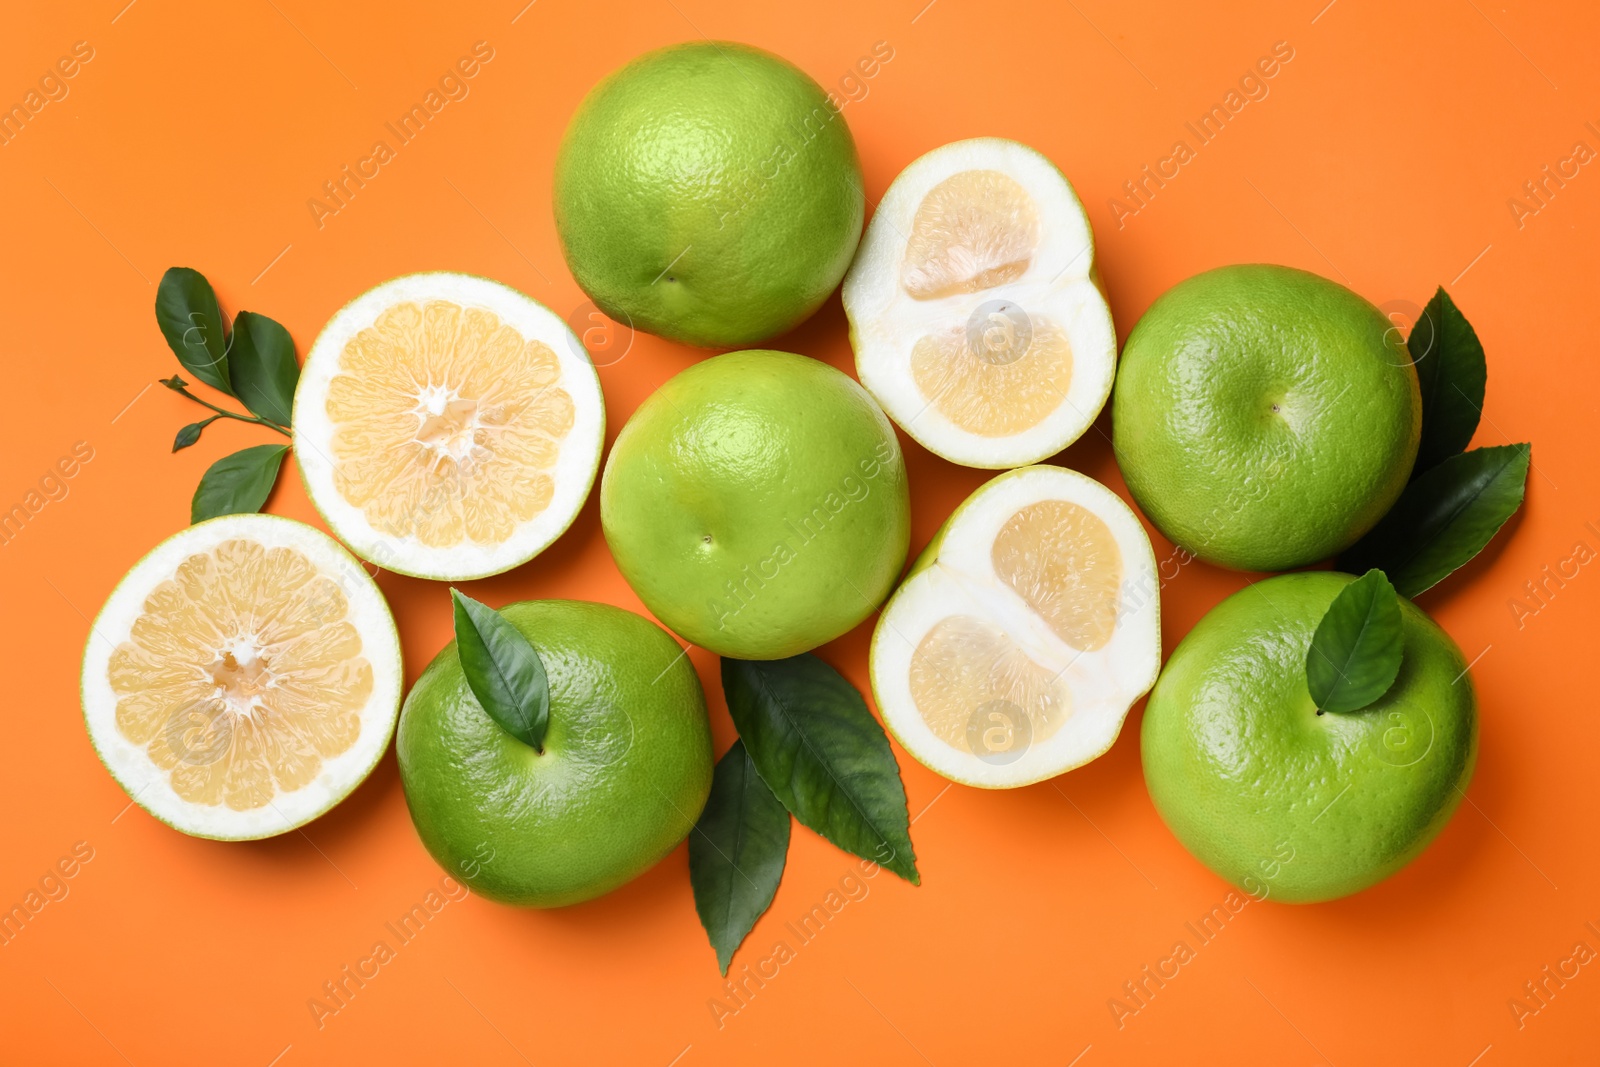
x,y
1281,801
709,193
625,771
757,503
1264,417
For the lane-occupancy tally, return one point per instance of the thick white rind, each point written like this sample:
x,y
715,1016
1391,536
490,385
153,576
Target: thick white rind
x,y
576,466
151,787
1104,683
885,321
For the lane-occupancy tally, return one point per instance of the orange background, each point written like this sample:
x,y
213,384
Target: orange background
x,y
1384,156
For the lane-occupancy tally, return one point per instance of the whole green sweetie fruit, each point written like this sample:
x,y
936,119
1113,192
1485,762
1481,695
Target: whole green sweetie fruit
x,y
757,504
1264,417
623,773
1287,802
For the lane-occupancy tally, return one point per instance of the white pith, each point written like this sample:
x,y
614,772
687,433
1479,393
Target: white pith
x,y
576,465
1104,683
886,321
129,763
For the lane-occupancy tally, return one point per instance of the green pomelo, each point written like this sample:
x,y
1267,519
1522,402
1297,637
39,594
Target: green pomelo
x,y
710,193
624,771
1265,418
757,504
1285,802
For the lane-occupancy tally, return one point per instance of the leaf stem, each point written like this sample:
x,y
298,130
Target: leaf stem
x,y
176,386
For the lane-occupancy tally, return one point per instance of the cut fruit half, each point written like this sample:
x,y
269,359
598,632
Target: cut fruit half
x,y
975,307
1024,633
448,426
243,677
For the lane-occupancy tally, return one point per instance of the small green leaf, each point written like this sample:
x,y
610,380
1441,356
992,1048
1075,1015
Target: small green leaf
x,y
1355,653
237,483
736,853
191,433
1452,373
262,366
503,670
823,755
174,383
1444,518
186,309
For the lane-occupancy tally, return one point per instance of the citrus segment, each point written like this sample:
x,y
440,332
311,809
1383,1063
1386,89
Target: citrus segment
x,y
1015,647
974,230
1064,561
452,425
969,678
1005,384
975,308
245,675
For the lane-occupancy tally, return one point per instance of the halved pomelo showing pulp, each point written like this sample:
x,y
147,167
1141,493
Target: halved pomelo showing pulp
x,y
447,426
243,678
975,308
1023,634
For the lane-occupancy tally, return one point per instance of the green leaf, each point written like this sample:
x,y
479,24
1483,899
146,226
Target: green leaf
x,y
1444,518
1355,653
262,366
191,433
503,670
237,483
736,852
1452,373
824,756
186,308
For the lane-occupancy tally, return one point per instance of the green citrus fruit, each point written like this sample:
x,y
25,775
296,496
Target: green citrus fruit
x,y
624,771
708,193
1265,418
1285,802
757,504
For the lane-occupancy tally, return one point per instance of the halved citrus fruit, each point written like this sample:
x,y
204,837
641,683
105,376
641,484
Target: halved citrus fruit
x,y
242,678
448,426
1023,634
975,307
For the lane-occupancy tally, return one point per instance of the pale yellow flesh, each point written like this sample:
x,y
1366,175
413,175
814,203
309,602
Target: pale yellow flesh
x,y
447,424
975,231
990,396
242,675
1064,561
971,681
968,677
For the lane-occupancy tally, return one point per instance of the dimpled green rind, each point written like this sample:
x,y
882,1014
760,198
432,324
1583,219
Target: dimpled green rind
x,y
1284,802
757,503
710,193
1265,418
625,770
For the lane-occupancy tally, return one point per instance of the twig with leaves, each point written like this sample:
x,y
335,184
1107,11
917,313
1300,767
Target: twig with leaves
x,y
253,362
